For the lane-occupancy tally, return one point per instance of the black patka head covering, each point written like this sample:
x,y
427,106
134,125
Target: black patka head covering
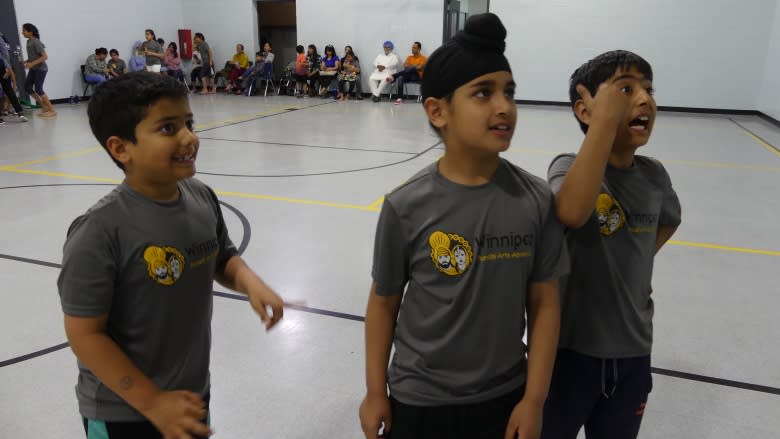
x,y
475,51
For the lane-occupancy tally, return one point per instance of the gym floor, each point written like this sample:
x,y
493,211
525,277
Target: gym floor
x,y
302,182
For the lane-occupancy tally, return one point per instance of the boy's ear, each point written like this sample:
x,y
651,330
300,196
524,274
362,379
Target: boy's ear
x,y
582,112
118,148
436,110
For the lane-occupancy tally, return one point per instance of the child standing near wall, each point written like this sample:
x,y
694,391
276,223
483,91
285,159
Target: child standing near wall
x,y
37,70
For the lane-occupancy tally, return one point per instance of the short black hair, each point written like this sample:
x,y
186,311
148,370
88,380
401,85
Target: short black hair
x,y
101,51
594,72
258,53
119,105
29,27
419,44
299,49
200,35
113,51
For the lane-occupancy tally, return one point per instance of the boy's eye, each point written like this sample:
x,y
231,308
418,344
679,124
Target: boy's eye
x,y
168,128
510,92
627,89
650,91
190,125
482,93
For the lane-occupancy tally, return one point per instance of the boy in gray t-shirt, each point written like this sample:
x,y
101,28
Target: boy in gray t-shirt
x,y
620,209
138,269
463,251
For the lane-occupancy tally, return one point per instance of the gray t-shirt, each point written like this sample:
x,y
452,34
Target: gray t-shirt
x,y
465,256
203,49
152,46
119,66
150,266
606,303
34,51
94,66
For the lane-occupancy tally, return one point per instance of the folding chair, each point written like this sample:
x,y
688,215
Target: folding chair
x,y
87,84
268,77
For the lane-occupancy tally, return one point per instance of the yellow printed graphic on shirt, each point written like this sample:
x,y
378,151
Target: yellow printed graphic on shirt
x,y
610,215
165,265
451,254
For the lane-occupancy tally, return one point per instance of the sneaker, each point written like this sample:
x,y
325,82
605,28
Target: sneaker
x,y
20,117
398,101
2,122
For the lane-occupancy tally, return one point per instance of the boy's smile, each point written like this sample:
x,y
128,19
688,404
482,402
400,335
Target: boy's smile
x,y
165,149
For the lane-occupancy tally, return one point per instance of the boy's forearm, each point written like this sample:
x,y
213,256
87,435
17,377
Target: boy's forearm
x,y
665,233
544,313
575,200
381,316
103,357
237,275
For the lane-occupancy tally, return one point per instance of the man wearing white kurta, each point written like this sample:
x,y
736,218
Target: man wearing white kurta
x,y
386,64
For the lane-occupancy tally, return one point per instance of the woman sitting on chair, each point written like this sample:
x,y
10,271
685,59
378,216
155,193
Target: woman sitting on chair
x,y
239,62
350,75
173,62
329,69
95,69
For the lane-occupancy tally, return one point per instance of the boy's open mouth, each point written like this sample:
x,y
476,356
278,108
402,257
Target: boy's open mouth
x,y
640,123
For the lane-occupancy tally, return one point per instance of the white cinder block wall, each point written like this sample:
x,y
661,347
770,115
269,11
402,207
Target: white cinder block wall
x,y
366,24
769,99
705,53
721,54
72,29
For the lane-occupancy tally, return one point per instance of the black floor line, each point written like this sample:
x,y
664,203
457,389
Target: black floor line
x,y
757,136
32,355
261,117
247,232
244,223
340,315
387,165
308,146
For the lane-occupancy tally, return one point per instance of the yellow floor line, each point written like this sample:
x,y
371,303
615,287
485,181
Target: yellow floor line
x,y
63,175
725,248
369,208
699,164
242,118
723,165
52,158
377,203
373,207
763,143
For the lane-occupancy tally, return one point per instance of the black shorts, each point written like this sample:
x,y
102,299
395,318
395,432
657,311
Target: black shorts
x,y
484,420
130,430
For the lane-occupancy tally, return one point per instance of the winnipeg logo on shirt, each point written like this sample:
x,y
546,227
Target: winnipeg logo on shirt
x,y
610,215
164,264
451,254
